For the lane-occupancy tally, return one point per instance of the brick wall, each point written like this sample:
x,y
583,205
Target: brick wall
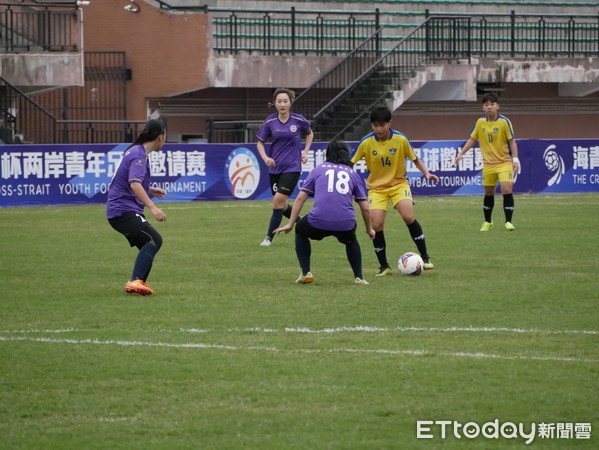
x,y
166,52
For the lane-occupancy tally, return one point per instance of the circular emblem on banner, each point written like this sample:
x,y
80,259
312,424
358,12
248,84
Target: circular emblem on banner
x,y
293,128
555,164
242,172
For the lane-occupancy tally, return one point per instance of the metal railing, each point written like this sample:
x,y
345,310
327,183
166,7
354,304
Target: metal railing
x,y
102,97
293,32
532,35
40,27
341,75
98,131
296,32
19,113
233,130
443,37
354,102
76,113
24,121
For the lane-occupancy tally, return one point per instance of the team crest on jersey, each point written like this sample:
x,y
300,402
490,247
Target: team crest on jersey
x,y
495,130
293,128
393,151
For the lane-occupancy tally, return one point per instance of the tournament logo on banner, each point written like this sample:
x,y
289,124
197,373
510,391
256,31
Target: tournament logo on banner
x,y
242,172
555,164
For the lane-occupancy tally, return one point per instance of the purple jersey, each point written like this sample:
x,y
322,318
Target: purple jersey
x,y
286,141
333,187
133,168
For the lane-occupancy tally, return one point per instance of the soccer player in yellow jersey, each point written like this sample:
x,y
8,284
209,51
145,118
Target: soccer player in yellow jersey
x,y
385,151
499,150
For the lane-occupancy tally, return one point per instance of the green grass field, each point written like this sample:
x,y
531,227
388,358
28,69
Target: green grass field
x,y
230,353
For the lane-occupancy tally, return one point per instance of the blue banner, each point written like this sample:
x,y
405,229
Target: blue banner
x,y
36,175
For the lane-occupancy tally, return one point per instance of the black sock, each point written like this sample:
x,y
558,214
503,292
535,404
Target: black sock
x,y
303,250
508,206
287,213
488,204
143,262
418,238
354,256
275,222
380,248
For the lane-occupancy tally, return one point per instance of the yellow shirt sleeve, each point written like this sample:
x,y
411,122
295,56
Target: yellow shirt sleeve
x,y
359,153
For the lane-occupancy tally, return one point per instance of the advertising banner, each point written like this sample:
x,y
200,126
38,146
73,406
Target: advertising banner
x,y
37,175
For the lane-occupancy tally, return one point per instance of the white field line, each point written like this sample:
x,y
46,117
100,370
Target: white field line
x,y
359,329
131,343
204,205
287,351
35,330
370,329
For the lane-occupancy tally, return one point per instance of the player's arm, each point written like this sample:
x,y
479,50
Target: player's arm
x,y
422,168
467,146
298,204
514,151
141,194
262,150
358,155
309,139
365,210
157,192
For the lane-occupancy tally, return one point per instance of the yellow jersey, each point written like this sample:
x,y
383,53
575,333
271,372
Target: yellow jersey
x,y
386,161
493,138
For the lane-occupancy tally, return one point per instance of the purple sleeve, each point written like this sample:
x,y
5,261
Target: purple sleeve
x,y
308,185
137,170
307,126
264,133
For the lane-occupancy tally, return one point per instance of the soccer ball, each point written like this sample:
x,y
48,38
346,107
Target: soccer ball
x,y
410,264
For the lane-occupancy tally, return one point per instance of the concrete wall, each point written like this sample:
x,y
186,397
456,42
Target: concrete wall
x,y
37,71
267,71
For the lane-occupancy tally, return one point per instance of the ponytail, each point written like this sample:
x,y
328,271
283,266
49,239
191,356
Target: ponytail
x,y
151,131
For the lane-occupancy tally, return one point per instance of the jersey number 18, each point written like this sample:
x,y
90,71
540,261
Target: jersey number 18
x,y
342,183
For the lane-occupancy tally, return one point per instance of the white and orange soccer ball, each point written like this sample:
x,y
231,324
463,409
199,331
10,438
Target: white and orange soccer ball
x,y
410,264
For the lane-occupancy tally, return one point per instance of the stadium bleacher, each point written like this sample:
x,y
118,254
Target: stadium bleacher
x,y
400,17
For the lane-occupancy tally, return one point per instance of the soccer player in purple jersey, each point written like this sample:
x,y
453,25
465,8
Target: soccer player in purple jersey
x,y
334,185
284,157
128,193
